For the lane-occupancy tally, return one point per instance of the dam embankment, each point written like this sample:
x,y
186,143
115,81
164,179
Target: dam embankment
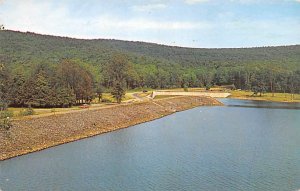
x,y
37,133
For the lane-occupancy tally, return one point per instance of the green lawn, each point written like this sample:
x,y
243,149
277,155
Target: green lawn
x,y
278,97
17,112
37,111
109,97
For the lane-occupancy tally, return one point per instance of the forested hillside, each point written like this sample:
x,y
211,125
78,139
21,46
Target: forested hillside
x,y
52,62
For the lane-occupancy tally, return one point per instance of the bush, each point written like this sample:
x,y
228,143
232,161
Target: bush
x,y
104,100
5,114
27,111
5,123
207,87
5,119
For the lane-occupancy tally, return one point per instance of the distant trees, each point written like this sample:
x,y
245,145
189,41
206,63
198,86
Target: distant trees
x,y
69,82
294,82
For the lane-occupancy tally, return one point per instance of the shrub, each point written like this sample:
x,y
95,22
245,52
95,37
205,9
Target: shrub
x,y
104,100
207,87
5,114
5,119
5,123
27,111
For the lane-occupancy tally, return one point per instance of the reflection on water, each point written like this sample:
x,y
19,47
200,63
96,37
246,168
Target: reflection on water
x,y
206,148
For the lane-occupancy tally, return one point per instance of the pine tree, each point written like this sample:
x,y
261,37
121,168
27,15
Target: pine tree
x,y
4,86
17,90
64,97
38,91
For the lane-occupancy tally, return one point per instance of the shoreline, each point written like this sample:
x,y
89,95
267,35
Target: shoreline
x,y
36,134
251,99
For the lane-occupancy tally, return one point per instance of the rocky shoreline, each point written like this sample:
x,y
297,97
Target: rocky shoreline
x,y
30,135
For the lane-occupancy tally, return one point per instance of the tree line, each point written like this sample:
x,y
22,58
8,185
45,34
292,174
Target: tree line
x,y
63,86
69,83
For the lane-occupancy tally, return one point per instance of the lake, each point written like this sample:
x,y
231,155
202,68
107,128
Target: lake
x,y
245,145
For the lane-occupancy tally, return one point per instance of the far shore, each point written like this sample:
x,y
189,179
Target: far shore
x,y
278,97
37,133
258,99
239,94
242,94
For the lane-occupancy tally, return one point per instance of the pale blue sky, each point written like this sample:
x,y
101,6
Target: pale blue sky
x,y
191,23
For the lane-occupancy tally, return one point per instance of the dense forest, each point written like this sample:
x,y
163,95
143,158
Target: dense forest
x,y
48,71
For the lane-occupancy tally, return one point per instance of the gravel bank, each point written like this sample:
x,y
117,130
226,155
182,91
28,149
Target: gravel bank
x,y
30,135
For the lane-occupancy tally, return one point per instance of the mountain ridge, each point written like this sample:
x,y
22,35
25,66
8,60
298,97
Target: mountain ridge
x,y
147,42
151,63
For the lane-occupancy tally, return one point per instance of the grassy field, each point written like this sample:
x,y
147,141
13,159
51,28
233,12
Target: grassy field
x,y
278,97
109,97
18,112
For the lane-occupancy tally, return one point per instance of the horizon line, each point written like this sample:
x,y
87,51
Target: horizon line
x,y
154,43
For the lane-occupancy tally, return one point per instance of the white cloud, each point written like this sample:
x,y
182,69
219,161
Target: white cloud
x,y
149,7
46,17
40,17
196,1
146,24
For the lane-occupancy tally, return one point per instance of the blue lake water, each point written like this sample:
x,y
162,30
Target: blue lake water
x,y
246,145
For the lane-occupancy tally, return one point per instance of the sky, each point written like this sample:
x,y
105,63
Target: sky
x,y
188,23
